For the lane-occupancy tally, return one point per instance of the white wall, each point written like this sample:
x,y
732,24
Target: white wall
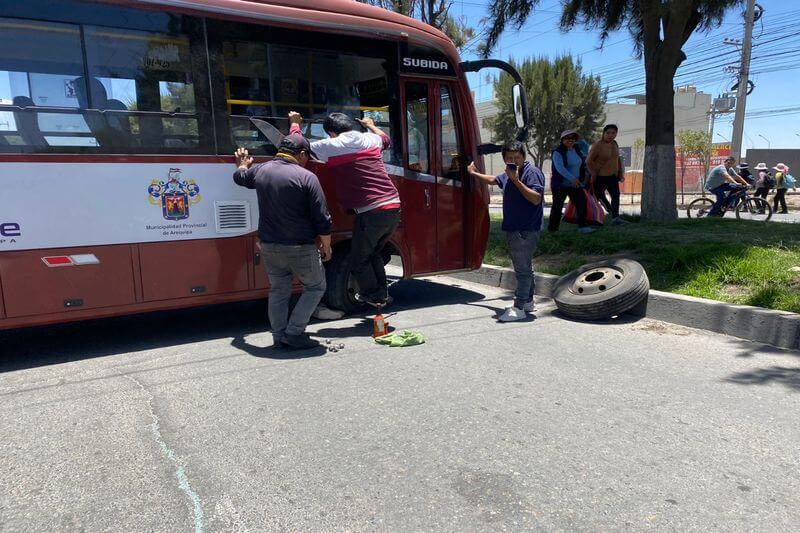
x,y
691,113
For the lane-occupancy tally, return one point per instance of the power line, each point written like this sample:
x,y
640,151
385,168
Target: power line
x,y
702,54
632,82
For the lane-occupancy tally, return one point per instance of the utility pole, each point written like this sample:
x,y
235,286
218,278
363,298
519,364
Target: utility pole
x,y
713,113
707,158
744,77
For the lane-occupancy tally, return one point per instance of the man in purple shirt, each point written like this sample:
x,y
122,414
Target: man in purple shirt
x,y
295,231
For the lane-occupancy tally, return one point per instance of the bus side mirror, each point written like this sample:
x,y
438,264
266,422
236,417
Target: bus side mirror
x,y
518,98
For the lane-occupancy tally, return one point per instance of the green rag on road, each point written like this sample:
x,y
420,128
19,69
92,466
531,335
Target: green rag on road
x,y
407,338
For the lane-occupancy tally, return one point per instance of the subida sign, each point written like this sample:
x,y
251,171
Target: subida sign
x,y
426,65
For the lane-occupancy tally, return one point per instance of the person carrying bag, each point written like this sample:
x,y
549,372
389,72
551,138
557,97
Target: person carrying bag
x,y
595,214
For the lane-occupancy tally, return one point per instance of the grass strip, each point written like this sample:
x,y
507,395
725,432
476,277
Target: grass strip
x,y
735,261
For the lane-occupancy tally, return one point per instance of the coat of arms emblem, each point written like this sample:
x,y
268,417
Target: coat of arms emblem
x,y
174,195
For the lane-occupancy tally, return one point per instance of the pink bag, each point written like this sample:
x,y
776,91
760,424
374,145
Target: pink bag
x,y
595,214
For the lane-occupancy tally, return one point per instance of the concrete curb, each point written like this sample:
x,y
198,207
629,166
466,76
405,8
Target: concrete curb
x,y
778,328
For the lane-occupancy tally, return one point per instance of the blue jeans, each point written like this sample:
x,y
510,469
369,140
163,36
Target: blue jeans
x,y
283,261
522,245
720,193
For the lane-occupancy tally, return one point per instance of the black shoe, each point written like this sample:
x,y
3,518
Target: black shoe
x,y
299,342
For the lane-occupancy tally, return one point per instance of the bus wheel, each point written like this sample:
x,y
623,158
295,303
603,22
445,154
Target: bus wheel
x,y
342,287
601,290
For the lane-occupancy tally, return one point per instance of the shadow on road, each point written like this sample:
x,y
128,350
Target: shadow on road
x,y
752,349
624,318
62,343
498,311
272,352
782,375
361,329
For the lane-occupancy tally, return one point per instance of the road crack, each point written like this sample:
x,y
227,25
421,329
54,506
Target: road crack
x,y
180,470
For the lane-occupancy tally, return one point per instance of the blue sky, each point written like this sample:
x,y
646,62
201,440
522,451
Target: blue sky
x,y
775,65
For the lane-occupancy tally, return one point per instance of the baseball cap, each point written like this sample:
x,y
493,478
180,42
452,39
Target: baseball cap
x,y
567,133
294,142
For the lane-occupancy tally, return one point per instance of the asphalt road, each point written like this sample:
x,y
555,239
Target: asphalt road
x,y
182,421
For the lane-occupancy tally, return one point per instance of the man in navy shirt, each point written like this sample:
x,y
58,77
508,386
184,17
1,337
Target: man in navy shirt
x,y
523,215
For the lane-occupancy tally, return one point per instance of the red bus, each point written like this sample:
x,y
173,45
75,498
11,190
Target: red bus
x,y
119,118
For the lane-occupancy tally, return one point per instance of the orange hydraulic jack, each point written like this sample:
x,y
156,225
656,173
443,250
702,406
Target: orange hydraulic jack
x,y
380,326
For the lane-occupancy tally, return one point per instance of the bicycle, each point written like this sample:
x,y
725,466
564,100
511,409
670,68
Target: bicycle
x,y
747,207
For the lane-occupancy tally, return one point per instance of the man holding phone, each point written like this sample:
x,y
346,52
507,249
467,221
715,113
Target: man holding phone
x,y
523,216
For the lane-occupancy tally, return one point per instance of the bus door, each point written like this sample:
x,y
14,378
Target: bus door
x,y
418,188
449,170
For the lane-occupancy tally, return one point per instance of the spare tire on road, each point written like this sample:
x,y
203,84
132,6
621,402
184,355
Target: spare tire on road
x,y
601,290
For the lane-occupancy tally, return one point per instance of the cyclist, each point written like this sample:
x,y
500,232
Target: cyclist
x,y
722,182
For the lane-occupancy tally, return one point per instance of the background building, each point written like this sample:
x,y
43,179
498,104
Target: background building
x,y
691,113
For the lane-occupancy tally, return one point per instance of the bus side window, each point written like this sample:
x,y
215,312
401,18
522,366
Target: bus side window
x,y
451,157
139,95
417,126
266,80
141,91
248,93
40,62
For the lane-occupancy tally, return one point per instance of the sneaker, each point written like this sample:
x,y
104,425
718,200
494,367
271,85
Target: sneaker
x,y
299,342
512,314
326,313
586,229
528,307
618,221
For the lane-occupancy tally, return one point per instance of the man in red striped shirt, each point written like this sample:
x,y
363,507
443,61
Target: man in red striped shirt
x,y
363,187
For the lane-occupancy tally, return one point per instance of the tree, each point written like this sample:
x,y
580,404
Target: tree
x,y
659,28
692,143
560,96
179,97
433,12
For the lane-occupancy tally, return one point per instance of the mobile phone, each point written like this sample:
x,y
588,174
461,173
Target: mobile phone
x,y
511,166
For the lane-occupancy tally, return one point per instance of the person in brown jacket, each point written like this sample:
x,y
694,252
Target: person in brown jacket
x,y
606,170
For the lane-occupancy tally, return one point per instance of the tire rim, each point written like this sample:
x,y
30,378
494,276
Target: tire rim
x,y
596,281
